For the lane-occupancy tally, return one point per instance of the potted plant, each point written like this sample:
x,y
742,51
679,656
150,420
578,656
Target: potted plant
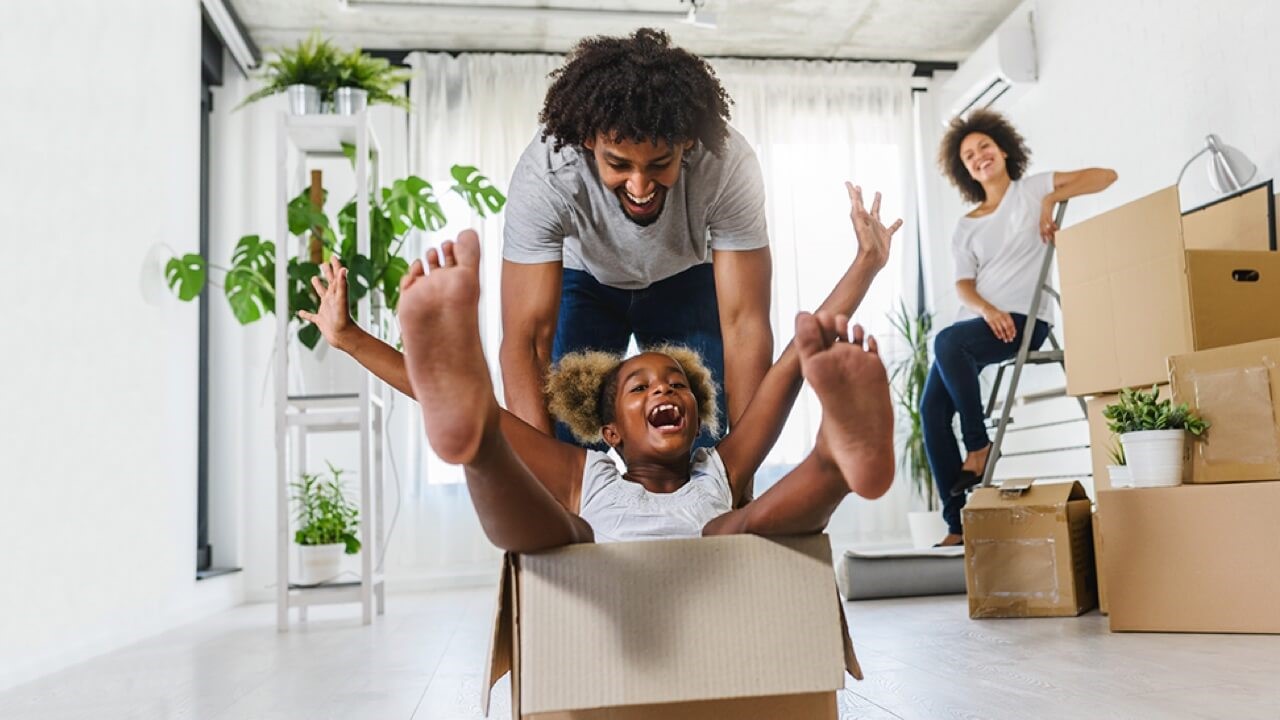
x,y
410,203
1153,433
305,72
1118,470
907,382
327,525
361,80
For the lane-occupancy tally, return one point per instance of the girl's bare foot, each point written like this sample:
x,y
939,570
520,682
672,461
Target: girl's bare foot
x,y
440,328
857,414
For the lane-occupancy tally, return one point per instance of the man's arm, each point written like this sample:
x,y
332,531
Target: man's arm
x,y
743,287
530,304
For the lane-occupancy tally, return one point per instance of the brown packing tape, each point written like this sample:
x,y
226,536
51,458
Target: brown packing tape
x,y
1238,404
1015,570
809,706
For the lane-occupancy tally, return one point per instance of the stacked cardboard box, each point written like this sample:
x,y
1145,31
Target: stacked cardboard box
x,y
1184,301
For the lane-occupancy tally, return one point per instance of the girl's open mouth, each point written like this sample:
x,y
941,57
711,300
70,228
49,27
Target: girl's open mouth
x,y
666,418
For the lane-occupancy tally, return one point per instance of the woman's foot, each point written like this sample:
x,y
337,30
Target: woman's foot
x,y
857,414
951,540
443,356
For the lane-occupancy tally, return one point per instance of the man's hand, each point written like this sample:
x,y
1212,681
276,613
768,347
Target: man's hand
x,y
333,318
1047,226
1000,322
873,237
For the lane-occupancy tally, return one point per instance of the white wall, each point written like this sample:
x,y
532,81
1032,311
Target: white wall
x,y
99,166
1135,86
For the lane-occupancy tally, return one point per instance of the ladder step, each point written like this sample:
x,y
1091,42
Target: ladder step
x,y
1024,453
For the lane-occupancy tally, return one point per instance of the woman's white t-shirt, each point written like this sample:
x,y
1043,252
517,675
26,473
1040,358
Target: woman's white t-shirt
x,y
618,509
1002,252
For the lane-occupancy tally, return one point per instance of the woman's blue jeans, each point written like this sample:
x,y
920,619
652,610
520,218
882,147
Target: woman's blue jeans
x,y
681,310
960,352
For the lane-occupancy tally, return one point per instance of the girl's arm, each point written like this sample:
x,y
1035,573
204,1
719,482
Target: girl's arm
x,y
751,439
1067,185
557,465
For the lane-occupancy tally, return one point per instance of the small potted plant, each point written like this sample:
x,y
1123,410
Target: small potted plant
x,y
1118,470
1153,433
361,80
909,375
327,525
304,72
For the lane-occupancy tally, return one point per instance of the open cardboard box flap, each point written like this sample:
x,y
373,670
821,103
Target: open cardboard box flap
x,y
670,621
1025,493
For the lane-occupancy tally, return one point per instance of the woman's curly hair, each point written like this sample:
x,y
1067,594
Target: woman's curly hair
x,y
1000,130
581,389
635,88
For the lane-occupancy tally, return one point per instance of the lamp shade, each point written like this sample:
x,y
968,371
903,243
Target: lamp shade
x,y
1229,169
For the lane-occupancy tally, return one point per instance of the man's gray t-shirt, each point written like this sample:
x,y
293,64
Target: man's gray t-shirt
x,y
558,210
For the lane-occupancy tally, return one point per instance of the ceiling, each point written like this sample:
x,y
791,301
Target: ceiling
x,y
925,30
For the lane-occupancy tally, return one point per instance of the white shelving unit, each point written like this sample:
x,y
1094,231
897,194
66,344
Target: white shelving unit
x,y
300,416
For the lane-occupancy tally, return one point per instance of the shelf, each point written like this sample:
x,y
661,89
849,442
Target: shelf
x,y
324,134
328,594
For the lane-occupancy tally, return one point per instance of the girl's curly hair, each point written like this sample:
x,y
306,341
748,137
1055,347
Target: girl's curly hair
x,y
581,389
635,88
1000,130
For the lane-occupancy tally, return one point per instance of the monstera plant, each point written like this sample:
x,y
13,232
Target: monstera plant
x,y
408,204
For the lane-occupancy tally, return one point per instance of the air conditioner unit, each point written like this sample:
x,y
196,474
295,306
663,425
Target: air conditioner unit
x,y
1004,61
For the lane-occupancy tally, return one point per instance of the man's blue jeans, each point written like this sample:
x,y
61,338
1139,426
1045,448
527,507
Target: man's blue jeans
x,y
680,310
960,352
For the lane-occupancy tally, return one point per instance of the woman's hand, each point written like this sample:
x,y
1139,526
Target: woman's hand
x,y
1047,226
874,238
1000,322
333,318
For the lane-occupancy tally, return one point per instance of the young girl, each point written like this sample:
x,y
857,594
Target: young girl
x,y
533,492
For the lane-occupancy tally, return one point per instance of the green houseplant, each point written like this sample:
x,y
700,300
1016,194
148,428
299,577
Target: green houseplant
x,y
327,524
907,383
1153,435
312,63
408,204
375,77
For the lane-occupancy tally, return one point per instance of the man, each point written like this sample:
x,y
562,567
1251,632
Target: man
x,y
637,212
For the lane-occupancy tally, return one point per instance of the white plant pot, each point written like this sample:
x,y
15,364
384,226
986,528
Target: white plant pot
x,y
927,528
1155,457
303,99
319,563
349,101
323,371
1119,475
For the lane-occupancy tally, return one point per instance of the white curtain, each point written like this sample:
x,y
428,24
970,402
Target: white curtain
x,y
813,125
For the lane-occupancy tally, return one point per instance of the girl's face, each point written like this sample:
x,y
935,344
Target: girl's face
x,y
982,157
655,411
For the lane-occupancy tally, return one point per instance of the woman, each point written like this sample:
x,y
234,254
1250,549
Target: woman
x,y
998,248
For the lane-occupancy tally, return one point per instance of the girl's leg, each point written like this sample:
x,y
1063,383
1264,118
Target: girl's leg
x,y
854,450
450,379
936,413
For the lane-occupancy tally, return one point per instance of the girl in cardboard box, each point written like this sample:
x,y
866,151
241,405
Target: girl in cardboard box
x,y
997,249
533,492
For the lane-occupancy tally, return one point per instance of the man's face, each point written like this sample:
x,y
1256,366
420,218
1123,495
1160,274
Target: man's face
x,y
639,173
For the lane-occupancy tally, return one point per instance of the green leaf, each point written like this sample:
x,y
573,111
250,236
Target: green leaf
x,y
303,215
186,276
245,296
309,335
396,269
360,279
479,193
412,202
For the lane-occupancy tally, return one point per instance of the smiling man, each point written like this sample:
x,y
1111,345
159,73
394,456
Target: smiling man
x,y
637,211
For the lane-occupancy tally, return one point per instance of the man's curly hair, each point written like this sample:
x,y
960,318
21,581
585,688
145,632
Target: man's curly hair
x,y
635,88
581,389
1000,130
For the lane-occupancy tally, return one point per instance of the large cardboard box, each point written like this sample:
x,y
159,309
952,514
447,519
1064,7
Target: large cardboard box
x,y
1101,439
1194,558
722,627
1028,550
1139,284
1237,389
1097,564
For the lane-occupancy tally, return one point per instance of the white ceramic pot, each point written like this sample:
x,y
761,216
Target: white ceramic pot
x,y
349,100
319,563
927,528
323,371
1120,477
1155,457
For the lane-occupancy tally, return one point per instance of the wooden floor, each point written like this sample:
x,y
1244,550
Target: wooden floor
x,y
923,659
